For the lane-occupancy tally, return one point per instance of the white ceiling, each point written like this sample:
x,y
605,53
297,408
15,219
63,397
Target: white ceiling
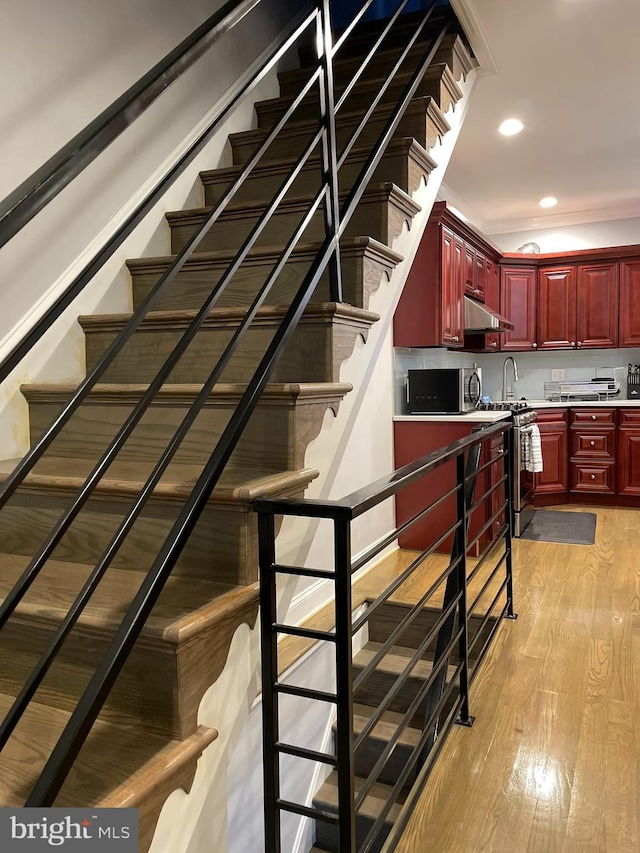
x,y
570,70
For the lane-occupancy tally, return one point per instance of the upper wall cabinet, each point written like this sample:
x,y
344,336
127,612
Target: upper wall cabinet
x,y
630,303
557,309
518,304
597,307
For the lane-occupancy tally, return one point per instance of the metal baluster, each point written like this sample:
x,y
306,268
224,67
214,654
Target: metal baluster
x,y
329,146
508,488
464,499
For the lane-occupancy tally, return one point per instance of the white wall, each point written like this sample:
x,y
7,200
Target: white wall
x,y
566,238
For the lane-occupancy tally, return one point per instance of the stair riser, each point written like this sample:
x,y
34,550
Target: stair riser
x,y
396,167
314,353
223,545
388,617
328,837
159,683
374,217
361,276
375,689
432,85
274,440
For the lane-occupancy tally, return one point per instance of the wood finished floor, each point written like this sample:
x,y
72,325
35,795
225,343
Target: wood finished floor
x,y
552,762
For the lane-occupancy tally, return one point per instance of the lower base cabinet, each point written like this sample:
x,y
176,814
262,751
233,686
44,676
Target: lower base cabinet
x,y
589,454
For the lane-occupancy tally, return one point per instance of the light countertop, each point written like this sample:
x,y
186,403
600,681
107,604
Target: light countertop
x,y
585,404
469,417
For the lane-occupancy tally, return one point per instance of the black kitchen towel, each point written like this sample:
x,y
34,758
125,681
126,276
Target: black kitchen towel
x,y
571,528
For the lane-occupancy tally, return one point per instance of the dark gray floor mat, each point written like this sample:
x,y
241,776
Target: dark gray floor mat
x,y
572,528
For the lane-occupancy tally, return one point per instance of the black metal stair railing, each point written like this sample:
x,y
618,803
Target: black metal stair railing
x,y
450,631
34,194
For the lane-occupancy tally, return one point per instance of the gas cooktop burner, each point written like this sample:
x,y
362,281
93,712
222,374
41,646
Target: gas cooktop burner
x,y
505,406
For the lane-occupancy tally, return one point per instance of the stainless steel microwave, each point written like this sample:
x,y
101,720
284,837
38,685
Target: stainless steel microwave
x,y
446,390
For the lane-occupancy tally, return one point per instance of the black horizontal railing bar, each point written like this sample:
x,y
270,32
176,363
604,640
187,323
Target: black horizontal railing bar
x,y
363,63
368,555
487,617
381,92
487,524
407,769
404,722
303,573
402,677
480,656
79,724
118,342
373,160
64,522
307,811
350,27
365,499
486,584
305,693
308,633
400,824
405,575
138,214
387,645
485,465
310,754
483,497
488,552
38,673
21,205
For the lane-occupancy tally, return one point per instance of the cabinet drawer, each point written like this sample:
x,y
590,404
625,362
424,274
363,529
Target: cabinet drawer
x,y
593,477
593,417
593,443
630,417
556,416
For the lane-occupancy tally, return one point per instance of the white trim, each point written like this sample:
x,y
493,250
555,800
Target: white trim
x,y
477,39
557,220
445,193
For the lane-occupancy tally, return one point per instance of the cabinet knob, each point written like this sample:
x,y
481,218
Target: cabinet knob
x,y
535,346
494,344
593,417
456,338
477,290
579,343
592,443
593,476
573,343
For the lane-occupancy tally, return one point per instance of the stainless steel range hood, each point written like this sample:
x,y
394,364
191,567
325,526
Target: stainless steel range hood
x,y
479,318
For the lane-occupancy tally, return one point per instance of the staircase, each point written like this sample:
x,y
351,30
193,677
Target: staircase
x,y
147,739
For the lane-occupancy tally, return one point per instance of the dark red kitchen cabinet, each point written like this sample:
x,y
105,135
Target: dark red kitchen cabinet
x,y
492,300
518,304
557,311
629,453
597,306
630,303
469,269
553,427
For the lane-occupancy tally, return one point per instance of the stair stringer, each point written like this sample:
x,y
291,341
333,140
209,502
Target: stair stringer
x,y
197,822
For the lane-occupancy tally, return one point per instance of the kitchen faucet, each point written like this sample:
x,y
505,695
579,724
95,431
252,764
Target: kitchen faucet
x,y
507,394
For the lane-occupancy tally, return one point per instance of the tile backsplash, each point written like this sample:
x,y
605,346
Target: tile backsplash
x,y
534,368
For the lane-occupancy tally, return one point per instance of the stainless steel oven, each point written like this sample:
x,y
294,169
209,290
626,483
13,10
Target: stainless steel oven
x,y
523,483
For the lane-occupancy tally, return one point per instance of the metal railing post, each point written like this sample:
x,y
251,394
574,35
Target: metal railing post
x,y
270,707
463,503
344,686
508,489
329,147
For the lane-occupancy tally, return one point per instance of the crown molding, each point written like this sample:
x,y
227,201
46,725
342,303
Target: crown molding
x,y
445,193
629,210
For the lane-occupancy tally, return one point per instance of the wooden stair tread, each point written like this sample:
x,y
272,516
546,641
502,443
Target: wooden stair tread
x,y
186,604
327,797
284,392
386,727
117,765
285,164
395,661
267,314
262,254
128,478
300,203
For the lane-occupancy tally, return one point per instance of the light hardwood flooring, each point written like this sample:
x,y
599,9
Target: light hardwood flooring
x,y
552,762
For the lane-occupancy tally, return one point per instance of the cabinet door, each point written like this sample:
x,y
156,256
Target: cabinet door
x,y
518,304
630,303
555,476
492,299
557,310
469,269
479,281
629,461
453,294
597,306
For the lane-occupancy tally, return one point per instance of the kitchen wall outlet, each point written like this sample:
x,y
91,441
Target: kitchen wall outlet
x,y
557,374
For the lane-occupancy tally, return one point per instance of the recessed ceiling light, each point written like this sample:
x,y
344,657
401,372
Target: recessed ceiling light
x,y
548,201
510,127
